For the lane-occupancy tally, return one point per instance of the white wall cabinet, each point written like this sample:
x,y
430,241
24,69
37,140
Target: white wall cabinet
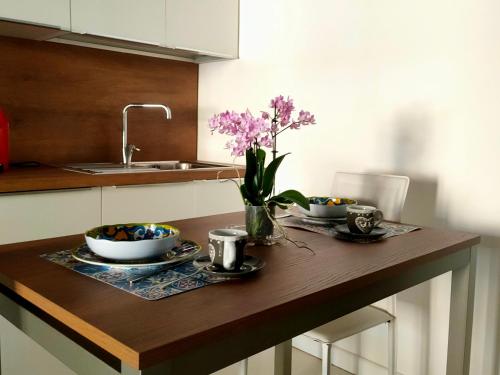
x,y
200,30
53,13
45,214
133,20
206,26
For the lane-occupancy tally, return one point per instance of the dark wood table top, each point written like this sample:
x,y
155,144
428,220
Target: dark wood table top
x,y
52,178
142,333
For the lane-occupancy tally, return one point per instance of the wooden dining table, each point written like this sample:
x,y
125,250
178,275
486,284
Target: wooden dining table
x,y
94,328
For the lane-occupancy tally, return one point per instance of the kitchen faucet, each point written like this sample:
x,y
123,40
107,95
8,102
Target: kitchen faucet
x,y
128,150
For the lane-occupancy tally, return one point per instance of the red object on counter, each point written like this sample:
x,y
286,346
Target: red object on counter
x,y
4,140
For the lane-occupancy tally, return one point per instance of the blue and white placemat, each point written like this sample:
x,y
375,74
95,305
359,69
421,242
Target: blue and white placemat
x,y
173,280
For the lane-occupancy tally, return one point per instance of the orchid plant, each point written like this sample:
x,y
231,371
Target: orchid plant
x,y
250,135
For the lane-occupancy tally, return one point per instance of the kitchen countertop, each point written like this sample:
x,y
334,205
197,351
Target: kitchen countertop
x,y
53,178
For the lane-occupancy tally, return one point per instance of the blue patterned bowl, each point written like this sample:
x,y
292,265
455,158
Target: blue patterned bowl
x,y
328,206
131,241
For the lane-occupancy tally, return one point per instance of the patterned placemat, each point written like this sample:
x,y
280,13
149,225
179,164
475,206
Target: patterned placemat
x,y
395,229
172,280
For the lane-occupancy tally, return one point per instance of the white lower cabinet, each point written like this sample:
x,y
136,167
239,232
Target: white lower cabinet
x,y
46,214
52,213
147,203
213,197
21,355
171,201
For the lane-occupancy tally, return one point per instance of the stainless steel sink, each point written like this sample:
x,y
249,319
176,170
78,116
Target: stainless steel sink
x,y
170,165
142,167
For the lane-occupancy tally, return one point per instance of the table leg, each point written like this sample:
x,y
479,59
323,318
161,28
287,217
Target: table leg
x,y
243,364
67,351
461,313
1,329
157,370
283,358
0,351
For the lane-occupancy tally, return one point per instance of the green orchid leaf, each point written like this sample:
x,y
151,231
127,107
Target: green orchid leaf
x,y
259,200
281,203
250,173
278,199
261,162
246,196
272,204
244,192
295,197
256,184
269,175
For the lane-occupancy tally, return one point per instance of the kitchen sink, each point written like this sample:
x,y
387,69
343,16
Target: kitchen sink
x,y
143,167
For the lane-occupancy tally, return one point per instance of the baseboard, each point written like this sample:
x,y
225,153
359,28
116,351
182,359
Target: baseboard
x,y
346,360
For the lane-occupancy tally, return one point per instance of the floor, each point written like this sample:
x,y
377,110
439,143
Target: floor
x,y
262,364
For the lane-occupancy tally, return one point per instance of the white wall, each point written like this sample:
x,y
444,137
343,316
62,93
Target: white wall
x,y
397,86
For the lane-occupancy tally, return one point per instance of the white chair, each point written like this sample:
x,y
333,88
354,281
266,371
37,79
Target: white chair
x,y
388,193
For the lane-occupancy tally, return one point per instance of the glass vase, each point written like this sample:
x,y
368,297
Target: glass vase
x,y
259,225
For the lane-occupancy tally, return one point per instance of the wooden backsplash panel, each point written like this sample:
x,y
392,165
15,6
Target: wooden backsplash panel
x,y
65,103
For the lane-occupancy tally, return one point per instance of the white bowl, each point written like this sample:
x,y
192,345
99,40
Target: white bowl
x,y
132,241
327,207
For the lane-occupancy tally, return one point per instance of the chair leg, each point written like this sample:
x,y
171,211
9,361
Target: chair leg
x,y
326,358
391,347
243,367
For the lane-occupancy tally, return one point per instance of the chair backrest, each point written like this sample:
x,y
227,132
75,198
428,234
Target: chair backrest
x,y
386,192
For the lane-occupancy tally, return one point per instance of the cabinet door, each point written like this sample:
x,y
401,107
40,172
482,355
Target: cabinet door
x,y
54,13
147,203
134,20
45,214
207,26
214,197
21,355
